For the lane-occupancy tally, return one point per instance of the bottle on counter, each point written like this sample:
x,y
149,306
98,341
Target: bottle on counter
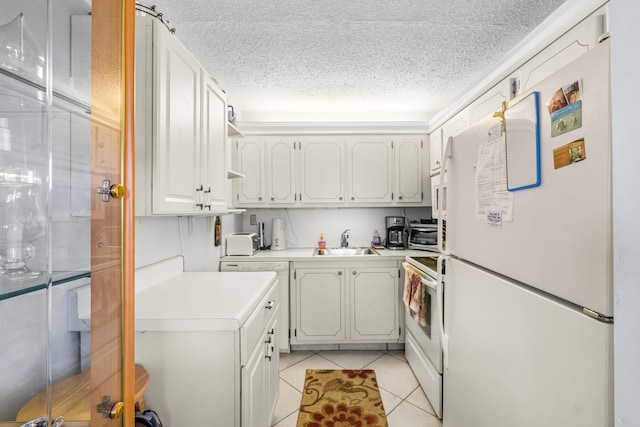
x,y
322,244
375,241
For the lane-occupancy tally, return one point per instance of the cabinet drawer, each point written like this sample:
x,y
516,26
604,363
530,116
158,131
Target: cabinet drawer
x,y
253,329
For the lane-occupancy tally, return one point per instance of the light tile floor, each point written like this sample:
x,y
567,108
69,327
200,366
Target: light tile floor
x,y
403,399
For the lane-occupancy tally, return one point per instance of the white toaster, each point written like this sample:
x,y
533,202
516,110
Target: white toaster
x,y
243,244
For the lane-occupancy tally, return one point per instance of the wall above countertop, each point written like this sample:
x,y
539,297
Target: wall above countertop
x,y
303,226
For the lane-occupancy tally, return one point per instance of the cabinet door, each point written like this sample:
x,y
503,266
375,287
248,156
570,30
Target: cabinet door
x,y
490,102
375,310
250,156
281,170
435,151
574,43
176,168
408,169
214,136
320,305
254,409
322,168
370,163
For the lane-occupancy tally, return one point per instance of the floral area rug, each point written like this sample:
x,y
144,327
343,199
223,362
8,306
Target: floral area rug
x,y
341,398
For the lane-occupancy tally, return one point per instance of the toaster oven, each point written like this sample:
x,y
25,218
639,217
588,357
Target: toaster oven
x,y
423,236
243,244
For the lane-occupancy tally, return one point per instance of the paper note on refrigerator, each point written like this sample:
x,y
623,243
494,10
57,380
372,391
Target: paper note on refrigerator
x,y
494,204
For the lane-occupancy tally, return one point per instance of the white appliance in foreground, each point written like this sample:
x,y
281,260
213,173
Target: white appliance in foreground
x,y
528,312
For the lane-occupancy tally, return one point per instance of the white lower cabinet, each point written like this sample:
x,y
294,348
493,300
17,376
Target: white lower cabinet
x,y
319,294
345,302
214,373
375,311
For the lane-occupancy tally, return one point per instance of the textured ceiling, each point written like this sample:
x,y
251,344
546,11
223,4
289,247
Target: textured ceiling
x,y
309,60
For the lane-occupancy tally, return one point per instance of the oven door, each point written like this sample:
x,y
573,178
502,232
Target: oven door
x,y
427,337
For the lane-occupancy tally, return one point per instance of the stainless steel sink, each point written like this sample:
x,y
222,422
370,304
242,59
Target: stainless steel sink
x,y
344,252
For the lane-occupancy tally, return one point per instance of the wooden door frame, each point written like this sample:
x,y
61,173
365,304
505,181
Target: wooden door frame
x,y
112,224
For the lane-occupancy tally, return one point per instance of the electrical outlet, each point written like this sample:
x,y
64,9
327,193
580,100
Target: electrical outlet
x,y
253,220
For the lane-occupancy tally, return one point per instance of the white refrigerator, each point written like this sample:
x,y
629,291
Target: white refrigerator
x,y
528,312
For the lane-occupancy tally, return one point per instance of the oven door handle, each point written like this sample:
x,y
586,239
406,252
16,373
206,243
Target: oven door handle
x,y
431,283
444,338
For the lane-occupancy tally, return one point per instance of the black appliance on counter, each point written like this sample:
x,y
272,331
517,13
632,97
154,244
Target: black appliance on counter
x,y
395,226
423,235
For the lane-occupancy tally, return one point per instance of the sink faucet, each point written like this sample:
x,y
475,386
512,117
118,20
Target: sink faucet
x,y
343,238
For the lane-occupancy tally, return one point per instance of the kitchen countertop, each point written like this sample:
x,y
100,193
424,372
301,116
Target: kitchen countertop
x,y
168,299
306,254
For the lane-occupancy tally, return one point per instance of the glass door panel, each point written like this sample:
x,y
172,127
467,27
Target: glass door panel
x,y
66,264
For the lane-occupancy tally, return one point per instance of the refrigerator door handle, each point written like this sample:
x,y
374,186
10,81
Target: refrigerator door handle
x,y
444,338
446,155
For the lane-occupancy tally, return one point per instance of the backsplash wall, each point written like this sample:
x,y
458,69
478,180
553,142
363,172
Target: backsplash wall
x,y
305,225
160,238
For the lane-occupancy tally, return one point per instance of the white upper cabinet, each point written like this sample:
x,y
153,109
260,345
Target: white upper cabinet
x,y
250,162
214,136
176,168
409,155
332,170
281,170
435,151
322,162
370,169
180,128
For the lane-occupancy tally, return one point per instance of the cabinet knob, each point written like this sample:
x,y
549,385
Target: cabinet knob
x,y
340,198
270,305
354,272
272,198
260,198
399,197
339,273
353,198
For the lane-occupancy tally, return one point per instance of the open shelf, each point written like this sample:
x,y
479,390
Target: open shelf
x,y
233,174
233,131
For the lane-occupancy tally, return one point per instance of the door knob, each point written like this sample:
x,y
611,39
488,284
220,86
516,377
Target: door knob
x,y
107,190
109,409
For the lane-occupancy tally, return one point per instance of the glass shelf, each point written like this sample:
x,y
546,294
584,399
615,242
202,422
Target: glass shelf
x,y
14,85
26,100
10,290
